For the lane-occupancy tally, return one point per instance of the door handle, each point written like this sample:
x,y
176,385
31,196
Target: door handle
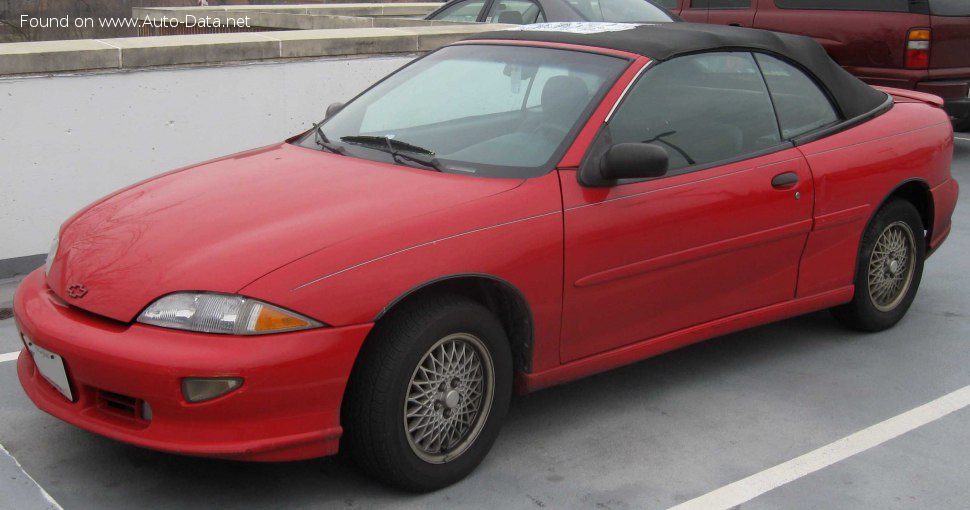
x,y
786,180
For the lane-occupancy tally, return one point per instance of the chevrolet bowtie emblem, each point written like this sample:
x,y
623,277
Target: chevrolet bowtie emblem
x,y
77,291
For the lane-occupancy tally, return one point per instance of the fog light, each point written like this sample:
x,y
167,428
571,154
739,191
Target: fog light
x,y
200,390
146,411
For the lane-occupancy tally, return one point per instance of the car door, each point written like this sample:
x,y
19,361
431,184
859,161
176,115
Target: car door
x,y
720,234
694,11
738,13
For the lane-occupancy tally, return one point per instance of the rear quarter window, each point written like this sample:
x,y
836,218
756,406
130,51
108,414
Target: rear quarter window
x,y
850,5
801,106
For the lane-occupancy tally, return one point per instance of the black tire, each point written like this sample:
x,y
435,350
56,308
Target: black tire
x,y
869,312
373,411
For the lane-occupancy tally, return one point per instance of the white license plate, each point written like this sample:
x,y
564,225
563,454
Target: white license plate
x,y
51,366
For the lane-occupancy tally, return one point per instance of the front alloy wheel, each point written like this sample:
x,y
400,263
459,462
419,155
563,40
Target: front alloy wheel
x,y
449,398
428,394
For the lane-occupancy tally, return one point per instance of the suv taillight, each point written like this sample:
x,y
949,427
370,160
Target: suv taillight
x,y
918,49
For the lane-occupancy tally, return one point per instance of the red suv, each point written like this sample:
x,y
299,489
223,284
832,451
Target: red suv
x,y
911,44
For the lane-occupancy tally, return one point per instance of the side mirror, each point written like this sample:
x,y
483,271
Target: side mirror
x,y
634,161
333,109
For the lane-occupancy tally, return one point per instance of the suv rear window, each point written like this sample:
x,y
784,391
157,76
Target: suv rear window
x,y
950,7
853,5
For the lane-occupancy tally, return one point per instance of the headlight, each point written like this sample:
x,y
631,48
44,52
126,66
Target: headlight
x,y
222,313
51,254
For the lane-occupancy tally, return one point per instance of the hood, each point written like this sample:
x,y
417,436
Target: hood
x,y
221,225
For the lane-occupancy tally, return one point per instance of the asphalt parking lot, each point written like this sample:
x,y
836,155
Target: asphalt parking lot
x,y
652,435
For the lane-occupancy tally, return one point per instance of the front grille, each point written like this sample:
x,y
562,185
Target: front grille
x,y
116,403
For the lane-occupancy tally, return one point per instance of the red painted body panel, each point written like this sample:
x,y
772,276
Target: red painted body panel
x,y
287,408
273,206
944,203
610,275
855,171
739,17
677,339
515,236
649,258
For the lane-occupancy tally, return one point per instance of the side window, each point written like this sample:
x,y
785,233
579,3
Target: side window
x,y
846,5
701,108
670,4
514,12
462,11
800,104
728,4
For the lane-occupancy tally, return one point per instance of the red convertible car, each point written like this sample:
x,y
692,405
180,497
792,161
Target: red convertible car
x,y
510,212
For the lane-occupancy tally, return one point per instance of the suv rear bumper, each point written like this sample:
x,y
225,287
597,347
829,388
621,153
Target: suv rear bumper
x,y
955,96
958,109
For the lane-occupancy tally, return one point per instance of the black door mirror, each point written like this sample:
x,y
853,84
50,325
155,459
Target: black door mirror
x,y
333,109
634,161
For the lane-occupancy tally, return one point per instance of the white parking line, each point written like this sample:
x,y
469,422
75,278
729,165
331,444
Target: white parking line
x,y
757,484
53,503
962,138
10,356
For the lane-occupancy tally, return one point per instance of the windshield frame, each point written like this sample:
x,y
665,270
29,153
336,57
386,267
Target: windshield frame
x,y
307,138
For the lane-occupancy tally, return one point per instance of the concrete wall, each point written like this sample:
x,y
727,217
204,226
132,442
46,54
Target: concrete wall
x,y
346,9
67,140
213,49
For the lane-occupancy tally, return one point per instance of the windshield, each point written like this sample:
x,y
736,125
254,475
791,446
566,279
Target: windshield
x,y
487,110
619,11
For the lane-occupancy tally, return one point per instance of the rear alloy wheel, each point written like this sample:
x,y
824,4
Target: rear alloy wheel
x,y
889,269
428,394
891,266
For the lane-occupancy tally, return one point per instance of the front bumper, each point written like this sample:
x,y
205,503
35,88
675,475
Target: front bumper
x,y
288,407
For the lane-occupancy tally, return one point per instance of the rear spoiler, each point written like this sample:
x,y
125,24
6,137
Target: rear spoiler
x,y
913,95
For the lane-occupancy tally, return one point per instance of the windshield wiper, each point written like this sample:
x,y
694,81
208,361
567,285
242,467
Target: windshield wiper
x,y
412,153
321,138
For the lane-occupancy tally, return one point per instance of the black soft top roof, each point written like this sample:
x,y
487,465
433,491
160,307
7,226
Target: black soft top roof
x,y
663,41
